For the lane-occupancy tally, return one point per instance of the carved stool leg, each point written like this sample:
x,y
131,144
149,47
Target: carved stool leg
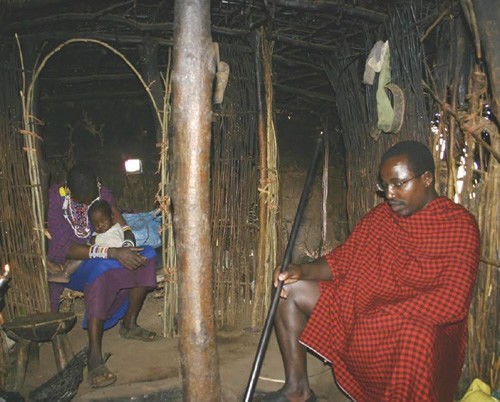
x,y
68,350
34,356
4,360
59,347
23,349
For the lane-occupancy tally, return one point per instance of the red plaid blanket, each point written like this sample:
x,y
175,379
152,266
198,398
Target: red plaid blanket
x,y
393,320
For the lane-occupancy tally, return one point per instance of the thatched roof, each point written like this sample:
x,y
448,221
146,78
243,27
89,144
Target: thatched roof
x,y
306,33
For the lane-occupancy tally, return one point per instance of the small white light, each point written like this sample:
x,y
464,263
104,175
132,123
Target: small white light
x,y
133,166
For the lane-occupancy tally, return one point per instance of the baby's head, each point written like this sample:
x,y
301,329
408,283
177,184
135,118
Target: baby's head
x,y
100,216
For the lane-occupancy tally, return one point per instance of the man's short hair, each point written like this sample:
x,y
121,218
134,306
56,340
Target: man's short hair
x,y
418,155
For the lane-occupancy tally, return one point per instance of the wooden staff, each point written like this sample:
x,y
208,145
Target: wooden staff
x,y
266,333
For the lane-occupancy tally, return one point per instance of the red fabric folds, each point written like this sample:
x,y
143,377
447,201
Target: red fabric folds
x,y
393,320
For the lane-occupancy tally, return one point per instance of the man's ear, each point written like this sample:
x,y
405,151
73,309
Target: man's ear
x,y
428,178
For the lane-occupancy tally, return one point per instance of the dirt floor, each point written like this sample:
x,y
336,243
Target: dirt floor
x,y
146,371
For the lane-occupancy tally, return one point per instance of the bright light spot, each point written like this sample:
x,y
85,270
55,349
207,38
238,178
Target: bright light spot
x,y
442,148
461,172
133,166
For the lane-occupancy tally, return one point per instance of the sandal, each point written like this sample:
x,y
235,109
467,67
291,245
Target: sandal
x,y
100,376
139,334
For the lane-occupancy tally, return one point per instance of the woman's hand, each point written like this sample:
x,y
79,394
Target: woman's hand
x,y
129,257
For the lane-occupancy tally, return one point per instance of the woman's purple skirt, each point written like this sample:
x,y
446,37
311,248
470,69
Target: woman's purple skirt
x,y
105,284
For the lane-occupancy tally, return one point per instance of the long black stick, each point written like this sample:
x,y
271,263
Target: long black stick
x,y
266,333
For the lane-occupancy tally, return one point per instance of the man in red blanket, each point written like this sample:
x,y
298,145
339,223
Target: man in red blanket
x,y
388,308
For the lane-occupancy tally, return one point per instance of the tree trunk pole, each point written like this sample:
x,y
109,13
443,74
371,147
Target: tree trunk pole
x,y
258,299
487,15
193,74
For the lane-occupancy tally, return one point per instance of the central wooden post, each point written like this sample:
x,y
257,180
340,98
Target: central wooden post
x,y
193,74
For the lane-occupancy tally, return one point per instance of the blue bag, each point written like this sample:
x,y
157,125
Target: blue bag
x,y
146,227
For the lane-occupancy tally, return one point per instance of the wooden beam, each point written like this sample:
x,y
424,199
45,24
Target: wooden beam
x,y
302,77
92,17
324,5
115,19
305,92
293,62
88,78
106,37
303,44
28,3
94,96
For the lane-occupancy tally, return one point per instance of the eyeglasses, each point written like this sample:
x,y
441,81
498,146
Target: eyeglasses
x,y
397,185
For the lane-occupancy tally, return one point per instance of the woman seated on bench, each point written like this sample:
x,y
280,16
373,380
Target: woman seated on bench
x,y
115,280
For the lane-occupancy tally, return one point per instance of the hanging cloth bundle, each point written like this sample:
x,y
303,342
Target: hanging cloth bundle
x,y
390,114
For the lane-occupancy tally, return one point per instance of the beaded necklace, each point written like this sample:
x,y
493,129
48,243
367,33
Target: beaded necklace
x,y
77,215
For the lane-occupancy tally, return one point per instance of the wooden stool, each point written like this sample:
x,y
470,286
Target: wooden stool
x,y
36,328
